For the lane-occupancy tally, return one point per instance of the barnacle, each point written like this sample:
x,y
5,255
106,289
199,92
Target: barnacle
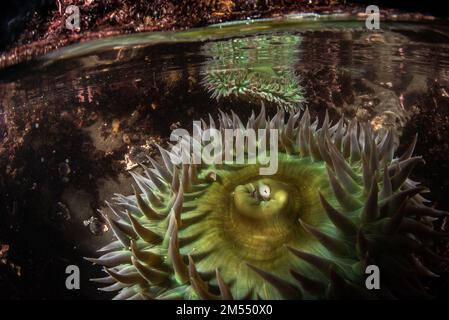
x,y
254,69
339,201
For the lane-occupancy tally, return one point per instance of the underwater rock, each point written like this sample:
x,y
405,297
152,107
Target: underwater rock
x,y
96,227
339,202
60,212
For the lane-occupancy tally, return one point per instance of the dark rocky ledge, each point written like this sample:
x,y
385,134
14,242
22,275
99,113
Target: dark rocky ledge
x,y
36,27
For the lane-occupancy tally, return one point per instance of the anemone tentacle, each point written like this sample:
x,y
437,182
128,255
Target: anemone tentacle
x,y
339,201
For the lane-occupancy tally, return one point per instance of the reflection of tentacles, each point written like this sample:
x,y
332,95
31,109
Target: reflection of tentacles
x,y
339,201
256,68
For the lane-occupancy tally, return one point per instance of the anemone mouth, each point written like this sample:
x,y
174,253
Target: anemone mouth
x,y
338,202
262,200
260,218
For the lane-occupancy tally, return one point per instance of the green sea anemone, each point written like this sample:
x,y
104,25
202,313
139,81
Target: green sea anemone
x,y
254,69
339,201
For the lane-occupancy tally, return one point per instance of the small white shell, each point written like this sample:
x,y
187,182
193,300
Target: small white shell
x,y
264,192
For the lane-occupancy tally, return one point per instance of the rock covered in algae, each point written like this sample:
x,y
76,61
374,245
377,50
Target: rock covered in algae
x,y
258,68
339,201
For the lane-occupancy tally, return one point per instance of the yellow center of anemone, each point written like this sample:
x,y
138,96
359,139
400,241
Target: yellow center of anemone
x,y
251,219
261,218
